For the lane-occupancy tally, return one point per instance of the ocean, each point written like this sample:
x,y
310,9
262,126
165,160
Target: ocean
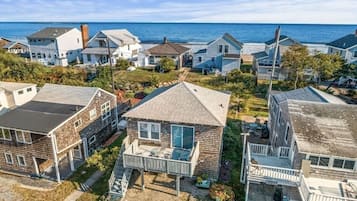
x,y
192,32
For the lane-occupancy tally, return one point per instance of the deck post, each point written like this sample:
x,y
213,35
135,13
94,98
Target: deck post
x,y
36,166
177,185
142,179
70,156
247,191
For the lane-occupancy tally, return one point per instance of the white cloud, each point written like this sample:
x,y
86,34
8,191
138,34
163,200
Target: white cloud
x,y
265,11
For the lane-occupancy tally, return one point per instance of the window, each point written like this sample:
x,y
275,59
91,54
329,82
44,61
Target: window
x,y
287,133
77,40
279,117
39,55
23,137
89,58
92,139
220,48
92,114
33,55
21,160
355,54
212,59
8,158
199,59
319,161
29,89
344,164
150,131
226,47
44,55
105,108
114,124
182,136
5,134
20,92
78,123
49,55
102,43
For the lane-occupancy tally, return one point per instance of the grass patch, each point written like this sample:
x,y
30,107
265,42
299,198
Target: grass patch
x,y
143,75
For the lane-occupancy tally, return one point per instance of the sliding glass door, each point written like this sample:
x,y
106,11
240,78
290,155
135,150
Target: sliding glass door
x,y
182,136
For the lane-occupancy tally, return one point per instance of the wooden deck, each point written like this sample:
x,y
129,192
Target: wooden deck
x,y
163,160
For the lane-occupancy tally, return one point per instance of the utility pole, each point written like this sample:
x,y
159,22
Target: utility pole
x,y
277,37
110,65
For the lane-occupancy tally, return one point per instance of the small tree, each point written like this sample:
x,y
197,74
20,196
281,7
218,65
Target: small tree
x,y
122,64
326,65
167,64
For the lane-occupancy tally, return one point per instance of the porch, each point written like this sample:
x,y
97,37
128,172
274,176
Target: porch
x,y
174,161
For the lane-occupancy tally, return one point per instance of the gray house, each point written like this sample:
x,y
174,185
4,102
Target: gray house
x,y
311,143
176,130
263,61
346,47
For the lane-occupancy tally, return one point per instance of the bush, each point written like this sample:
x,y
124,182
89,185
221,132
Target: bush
x,y
221,192
167,64
122,64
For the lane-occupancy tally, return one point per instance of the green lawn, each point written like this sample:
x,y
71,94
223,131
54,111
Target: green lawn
x,y
142,75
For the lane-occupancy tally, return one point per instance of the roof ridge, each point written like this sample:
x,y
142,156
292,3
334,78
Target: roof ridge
x,y
209,111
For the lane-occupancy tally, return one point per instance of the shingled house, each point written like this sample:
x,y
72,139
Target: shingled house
x,y
54,132
346,47
176,130
311,146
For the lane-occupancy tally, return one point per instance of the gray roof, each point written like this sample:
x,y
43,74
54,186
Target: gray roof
x,y
307,94
328,129
50,32
184,103
345,42
64,94
260,55
97,50
14,86
271,41
121,37
168,48
37,116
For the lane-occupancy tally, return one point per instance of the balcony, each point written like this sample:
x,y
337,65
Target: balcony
x,y
172,161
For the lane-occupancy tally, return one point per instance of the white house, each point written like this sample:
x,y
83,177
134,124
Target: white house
x,y
222,54
56,45
346,47
14,94
122,44
263,61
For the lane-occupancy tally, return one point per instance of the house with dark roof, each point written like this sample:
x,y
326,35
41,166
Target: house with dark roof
x,y
175,130
53,134
177,52
56,45
312,138
122,43
346,47
222,54
263,61
14,47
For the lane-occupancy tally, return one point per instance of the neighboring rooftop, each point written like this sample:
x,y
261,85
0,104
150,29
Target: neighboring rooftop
x,y
13,43
167,48
121,37
50,32
64,94
327,129
307,94
260,55
183,103
345,42
37,116
231,38
13,86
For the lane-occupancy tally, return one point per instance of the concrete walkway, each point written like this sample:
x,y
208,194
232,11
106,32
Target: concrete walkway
x,y
84,187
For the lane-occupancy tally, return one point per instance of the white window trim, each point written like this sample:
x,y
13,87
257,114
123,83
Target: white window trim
x,y
18,161
92,117
101,109
12,158
79,125
91,141
286,135
193,139
23,137
149,130
2,135
332,158
22,92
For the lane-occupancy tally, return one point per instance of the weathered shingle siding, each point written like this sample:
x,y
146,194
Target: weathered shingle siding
x,y
67,135
209,137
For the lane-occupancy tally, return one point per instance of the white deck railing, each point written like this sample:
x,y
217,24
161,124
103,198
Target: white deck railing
x,y
267,150
157,164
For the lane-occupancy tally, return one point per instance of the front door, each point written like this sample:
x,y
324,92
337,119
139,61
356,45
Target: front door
x,y
182,136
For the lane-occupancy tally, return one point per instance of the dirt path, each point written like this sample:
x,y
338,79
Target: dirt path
x,y
183,75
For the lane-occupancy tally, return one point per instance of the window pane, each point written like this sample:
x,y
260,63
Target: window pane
x,y
349,164
143,128
19,136
187,138
155,134
324,161
176,136
337,163
7,134
314,160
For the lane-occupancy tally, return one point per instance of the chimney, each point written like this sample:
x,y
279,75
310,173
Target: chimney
x,y
165,40
85,35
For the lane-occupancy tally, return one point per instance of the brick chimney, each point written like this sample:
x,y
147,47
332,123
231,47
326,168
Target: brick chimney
x,y
165,40
85,35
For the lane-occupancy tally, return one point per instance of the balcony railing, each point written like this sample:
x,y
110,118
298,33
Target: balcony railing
x,y
132,159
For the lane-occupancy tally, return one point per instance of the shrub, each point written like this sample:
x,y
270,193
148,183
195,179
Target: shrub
x,y
167,64
221,192
122,64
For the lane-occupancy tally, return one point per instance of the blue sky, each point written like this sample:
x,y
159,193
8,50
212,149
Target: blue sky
x,y
243,11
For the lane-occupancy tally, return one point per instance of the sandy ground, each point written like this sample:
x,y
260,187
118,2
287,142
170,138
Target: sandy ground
x,y
6,192
160,187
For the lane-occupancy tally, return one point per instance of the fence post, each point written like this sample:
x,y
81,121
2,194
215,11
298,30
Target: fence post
x,y
279,151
